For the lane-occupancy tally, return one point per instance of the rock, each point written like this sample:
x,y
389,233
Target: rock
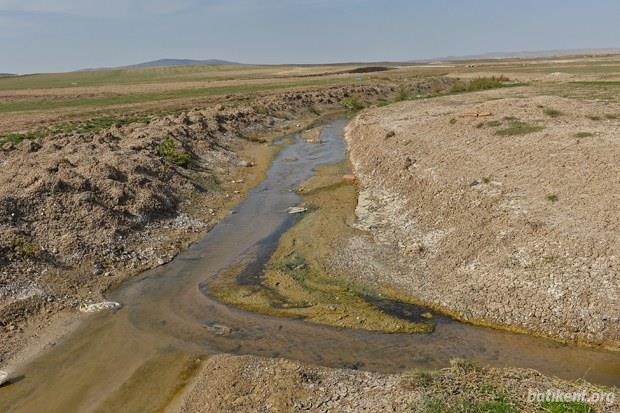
x,y
102,306
296,210
4,377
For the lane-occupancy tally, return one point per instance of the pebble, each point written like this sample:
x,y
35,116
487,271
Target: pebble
x,y
97,307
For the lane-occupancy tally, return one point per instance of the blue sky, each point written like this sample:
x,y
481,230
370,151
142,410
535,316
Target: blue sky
x,y
58,35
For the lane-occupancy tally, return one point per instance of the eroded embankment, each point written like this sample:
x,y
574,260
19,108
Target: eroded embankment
x,y
509,219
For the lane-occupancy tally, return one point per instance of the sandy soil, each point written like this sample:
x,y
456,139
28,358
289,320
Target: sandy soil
x,y
518,231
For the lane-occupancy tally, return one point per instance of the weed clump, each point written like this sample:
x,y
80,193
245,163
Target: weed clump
x,y
584,134
478,84
352,103
169,151
518,128
552,113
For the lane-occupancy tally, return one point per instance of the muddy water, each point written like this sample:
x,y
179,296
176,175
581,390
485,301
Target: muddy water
x,y
140,356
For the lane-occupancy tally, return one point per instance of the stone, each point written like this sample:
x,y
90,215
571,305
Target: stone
x,y
296,210
4,377
102,306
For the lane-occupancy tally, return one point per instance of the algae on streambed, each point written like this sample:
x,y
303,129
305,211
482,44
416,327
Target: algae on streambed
x,y
297,281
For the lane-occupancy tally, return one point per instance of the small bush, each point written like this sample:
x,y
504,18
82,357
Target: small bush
x,y
453,121
594,118
168,150
584,134
494,123
518,128
552,198
478,84
552,113
612,116
403,94
352,103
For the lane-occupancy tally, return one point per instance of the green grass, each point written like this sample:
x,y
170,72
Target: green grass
x,y
83,127
168,149
403,94
494,123
552,113
584,134
352,103
132,76
553,198
518,127
479,84
103,101
566,407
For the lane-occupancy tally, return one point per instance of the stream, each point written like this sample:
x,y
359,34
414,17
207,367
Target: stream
x,y
138,355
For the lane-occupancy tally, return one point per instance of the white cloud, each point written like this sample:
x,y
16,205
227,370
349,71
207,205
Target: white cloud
x,y
97,8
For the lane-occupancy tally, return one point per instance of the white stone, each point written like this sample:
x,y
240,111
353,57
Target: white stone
x,y
104,305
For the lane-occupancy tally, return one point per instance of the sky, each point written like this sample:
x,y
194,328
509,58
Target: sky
x,y
63,35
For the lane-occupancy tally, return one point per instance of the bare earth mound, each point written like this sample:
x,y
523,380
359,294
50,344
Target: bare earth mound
x,y
510,219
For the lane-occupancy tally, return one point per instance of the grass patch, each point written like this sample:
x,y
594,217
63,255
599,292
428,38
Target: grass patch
x,y
519,128
494,123
83,127
403,94
566,407
169,151
352,103
552,113
552,198
584,135
480,83
16,138
594,117
612,116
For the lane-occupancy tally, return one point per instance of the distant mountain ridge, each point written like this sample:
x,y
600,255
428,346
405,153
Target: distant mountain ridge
x,y
168,63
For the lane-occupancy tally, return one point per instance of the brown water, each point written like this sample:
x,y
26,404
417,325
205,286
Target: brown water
x,y
138,358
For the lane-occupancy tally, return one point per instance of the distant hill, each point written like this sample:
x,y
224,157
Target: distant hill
x,y
167,63
182,62
529,54
6,75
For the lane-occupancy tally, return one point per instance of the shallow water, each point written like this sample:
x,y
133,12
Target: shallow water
x,y
137,356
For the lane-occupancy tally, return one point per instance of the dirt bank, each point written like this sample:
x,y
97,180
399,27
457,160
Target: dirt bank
x,y
251,384
509,219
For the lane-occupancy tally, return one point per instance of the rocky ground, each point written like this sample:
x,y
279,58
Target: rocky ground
x,y
250,384
502,206
82,212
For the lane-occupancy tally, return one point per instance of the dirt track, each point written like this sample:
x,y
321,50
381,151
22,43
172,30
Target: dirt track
x,y
519,231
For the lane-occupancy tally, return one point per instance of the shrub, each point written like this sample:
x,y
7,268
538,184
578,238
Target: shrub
x,y
352,103
478,84
403,94
552,198
584,134
168,150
